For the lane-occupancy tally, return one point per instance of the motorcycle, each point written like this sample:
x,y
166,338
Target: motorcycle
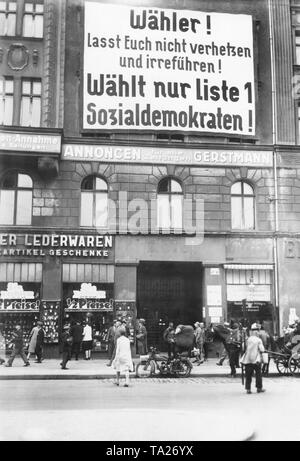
x,y
154,364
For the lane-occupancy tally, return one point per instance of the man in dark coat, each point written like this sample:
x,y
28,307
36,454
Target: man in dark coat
x,y
18,342
111,341
39,342
233,346
232,342
66,345
141,338
76,332
168,337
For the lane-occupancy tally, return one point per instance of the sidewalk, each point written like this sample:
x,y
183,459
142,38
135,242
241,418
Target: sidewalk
x,y
98,369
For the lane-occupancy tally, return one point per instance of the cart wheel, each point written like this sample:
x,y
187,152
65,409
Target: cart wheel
x,y
283,367
145,370
294,366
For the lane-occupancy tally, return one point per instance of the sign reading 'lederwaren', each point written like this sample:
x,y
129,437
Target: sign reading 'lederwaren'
x,y
165,69
153,156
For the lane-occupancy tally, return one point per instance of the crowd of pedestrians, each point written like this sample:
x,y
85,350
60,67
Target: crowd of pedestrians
x,y
240,346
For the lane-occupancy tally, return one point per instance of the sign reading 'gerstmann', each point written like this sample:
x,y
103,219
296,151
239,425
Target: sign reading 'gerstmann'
x,y
165,69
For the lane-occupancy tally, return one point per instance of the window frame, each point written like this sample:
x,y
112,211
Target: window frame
x,y
17,190
7,12
5,94
170,194
33,14
94,192
31,97
242,196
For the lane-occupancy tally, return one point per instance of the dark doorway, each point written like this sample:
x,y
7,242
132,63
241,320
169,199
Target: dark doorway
x,y
168,292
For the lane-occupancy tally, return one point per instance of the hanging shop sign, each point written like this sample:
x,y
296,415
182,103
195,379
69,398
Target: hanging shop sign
x,y
166,69
65,245
153,155
30,142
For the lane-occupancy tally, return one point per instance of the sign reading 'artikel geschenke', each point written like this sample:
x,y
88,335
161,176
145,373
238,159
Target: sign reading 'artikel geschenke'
x,y
88,246
165,69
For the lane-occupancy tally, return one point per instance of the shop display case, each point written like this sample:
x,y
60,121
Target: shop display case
x,y
19,305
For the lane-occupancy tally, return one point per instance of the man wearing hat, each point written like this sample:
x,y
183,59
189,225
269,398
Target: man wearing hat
x,y
252,359
39,342
66,344
233,346
141,338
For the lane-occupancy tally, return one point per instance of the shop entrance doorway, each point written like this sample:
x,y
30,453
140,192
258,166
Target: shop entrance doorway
x,y
168,292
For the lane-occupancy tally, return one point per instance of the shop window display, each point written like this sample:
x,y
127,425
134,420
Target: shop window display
x,y
19,305
87,302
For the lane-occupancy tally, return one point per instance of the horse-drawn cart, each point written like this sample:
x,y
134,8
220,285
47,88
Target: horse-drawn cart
x,y
287,356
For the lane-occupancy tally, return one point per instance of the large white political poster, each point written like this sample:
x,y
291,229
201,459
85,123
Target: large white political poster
x,y
164,69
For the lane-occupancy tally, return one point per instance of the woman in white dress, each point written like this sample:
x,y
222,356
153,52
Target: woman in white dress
x,y
123,360
87,341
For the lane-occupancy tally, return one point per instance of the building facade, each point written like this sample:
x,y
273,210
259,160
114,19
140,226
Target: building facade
x,y
115,200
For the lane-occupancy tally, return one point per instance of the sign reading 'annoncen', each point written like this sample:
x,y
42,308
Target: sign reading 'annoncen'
x,y
150,155
166,69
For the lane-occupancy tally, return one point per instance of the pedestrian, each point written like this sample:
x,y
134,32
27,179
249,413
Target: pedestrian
x,y
116,337
32,341
39,342
66,346
87,340
252,359
141,338
233,346
124,324
2,343
111,341
168,337
18,347
208,339
266,340
123,360
223,355
76,332
199,341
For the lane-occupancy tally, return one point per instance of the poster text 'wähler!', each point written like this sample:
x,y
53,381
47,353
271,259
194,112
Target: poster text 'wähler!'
x,y
165,69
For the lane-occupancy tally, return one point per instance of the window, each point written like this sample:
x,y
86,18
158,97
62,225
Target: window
x,y
16,199
8,12
169,204
242,206
33,20
297,42
31,102
6,101
94,202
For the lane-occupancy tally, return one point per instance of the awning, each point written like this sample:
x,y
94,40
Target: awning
x,y
249,267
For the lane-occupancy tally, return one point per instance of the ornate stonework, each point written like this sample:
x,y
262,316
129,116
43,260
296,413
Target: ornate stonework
x,y
17,56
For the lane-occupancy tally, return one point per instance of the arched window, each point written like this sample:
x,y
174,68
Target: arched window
x,y
242,206
169,204
94,202
16,199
